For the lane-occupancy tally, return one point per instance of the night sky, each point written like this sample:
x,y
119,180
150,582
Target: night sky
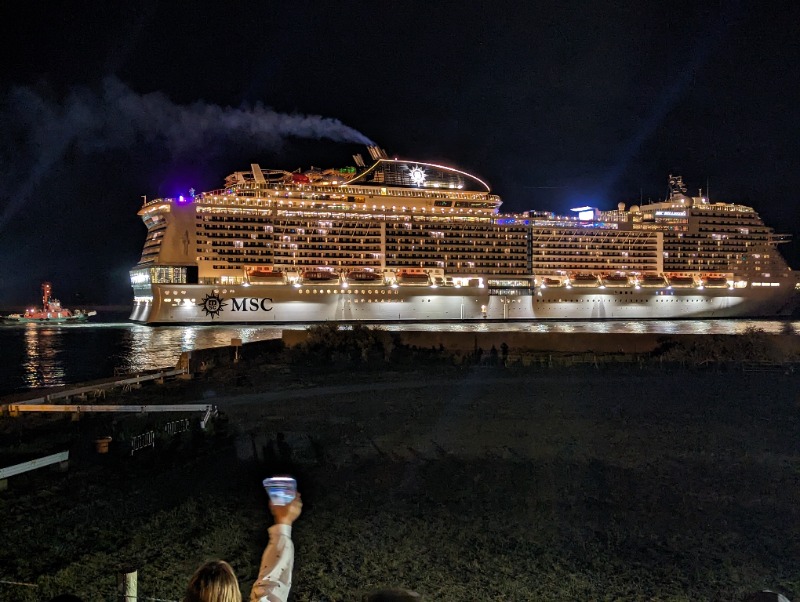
x,y
555,104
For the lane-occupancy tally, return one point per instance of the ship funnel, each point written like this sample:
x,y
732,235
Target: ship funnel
x,y
359,161
621,206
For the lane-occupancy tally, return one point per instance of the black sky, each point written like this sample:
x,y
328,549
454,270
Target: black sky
x,y
555,104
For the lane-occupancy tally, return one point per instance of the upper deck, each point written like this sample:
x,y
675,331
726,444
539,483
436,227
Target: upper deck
x,y
389,185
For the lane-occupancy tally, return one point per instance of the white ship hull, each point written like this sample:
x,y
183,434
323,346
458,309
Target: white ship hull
x,y
208,304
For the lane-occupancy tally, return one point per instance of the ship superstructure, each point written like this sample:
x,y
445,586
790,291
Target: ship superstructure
x,y
410,240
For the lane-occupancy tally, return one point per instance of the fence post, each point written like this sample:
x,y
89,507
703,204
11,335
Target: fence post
x,y
126,587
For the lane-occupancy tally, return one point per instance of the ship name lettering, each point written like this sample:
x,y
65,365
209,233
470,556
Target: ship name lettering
x,y
252,304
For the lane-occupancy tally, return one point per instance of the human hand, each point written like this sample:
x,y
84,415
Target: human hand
x,y
287,514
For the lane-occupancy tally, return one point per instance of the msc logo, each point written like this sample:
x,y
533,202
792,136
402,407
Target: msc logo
x,y
214,304
252,304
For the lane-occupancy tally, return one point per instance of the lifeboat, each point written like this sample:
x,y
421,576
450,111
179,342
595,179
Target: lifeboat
x,y
363,276
551,282
616,280
266,277
681,282
715,282
415,278
652,281
319,276
585,281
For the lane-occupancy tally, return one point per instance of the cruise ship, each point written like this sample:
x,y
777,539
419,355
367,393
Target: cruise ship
x,y
396,240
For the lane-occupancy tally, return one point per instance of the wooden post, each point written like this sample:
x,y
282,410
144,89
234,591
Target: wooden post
x,y
126,587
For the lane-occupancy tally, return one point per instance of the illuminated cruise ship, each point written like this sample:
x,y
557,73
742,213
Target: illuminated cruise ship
x,y
400,240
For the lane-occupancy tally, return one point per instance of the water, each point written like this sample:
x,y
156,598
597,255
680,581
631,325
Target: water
x,y
36,355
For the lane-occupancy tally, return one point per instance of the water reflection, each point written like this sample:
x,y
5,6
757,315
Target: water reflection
x,y
42,366
157,347
51,355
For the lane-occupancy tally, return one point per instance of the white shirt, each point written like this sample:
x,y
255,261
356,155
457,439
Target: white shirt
x,y
275,575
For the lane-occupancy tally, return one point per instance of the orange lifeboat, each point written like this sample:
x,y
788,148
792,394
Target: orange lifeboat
x,y
585,281
681,282
616,281
363,276
266,276
652,281
319,276
715,282
413,278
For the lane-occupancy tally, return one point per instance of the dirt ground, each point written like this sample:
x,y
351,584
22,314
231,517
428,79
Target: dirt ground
x,y
486,483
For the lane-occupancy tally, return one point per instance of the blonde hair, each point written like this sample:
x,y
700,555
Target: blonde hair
x,y
214,581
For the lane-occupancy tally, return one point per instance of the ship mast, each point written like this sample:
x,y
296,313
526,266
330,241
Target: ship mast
x,y
46,290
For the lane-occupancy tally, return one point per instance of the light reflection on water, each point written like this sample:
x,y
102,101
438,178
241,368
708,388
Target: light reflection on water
x,y
37,355
42,349
157,347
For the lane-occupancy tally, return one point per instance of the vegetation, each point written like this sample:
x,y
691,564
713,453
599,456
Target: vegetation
x,y
477,478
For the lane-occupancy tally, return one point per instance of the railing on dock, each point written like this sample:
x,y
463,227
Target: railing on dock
x,y
96,390
61,458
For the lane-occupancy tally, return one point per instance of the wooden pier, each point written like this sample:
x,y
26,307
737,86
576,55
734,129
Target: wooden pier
x,y
97,390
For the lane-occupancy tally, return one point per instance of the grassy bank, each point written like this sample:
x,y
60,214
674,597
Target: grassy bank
x,y
463,481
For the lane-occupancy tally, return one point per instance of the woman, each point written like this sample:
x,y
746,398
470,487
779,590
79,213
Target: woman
x,y
215,581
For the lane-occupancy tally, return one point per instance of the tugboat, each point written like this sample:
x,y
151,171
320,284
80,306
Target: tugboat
x,y
50,311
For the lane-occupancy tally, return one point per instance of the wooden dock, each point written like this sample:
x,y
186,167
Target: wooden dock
x,y
97,390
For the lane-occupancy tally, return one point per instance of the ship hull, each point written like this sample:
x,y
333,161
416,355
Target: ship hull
x,y
208,304
64,320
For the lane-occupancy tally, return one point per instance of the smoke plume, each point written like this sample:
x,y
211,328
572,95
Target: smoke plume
x,y
41,131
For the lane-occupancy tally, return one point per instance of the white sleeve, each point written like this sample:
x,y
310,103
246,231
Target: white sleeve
x,y
275,575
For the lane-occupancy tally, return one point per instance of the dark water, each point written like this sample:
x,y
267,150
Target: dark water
x,y
35,355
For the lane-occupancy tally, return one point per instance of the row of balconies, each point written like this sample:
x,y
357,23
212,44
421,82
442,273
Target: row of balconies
x,y
475,267
234,234
209,219
466,255
706,250
594,256
456,249
235,253
588,261
244,245
352,246
432,240
586,250
446,223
